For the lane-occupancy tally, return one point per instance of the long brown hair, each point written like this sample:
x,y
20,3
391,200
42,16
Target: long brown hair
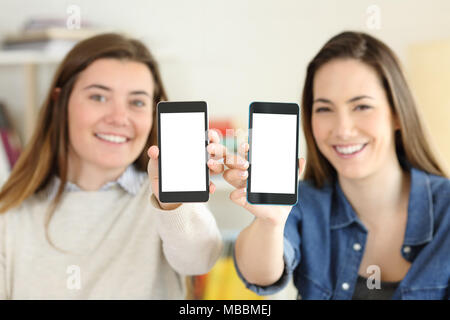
x,y
410,140
45,155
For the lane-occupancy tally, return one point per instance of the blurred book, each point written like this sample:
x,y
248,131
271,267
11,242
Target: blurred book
x,y
4,166
223,126
230,135
41,23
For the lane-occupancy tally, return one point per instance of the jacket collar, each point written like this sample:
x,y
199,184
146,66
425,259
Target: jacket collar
x,y
419,227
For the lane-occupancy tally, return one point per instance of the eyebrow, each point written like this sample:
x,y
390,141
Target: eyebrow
x,y
348,101
140,92
359,98
99,86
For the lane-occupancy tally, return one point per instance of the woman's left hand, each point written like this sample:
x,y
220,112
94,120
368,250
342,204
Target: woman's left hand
x,y
216,152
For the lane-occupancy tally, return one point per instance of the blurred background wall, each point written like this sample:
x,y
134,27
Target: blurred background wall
x,y
232,52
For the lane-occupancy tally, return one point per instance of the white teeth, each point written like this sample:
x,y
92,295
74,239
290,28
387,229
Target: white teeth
x,y
351,149
111,138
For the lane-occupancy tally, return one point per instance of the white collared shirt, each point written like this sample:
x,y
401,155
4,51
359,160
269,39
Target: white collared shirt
x,y
130,181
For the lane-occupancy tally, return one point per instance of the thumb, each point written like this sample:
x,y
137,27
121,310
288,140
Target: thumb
x,y
239,196
301,165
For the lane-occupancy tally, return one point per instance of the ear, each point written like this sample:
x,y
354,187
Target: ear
x,y
55,94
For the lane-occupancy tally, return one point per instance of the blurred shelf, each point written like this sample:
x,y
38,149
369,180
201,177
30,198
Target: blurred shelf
x,y
21,57
29,60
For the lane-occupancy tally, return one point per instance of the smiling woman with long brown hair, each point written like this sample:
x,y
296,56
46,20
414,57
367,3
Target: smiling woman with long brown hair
x,y
373,216
80,213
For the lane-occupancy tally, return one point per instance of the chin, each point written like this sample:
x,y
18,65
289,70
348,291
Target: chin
x,y
353,173
114,164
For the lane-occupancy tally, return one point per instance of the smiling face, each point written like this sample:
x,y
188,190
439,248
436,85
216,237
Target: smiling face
x,y
110,114
352,122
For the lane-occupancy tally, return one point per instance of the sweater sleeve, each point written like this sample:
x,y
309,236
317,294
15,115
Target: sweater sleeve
x,y
3,295
190,237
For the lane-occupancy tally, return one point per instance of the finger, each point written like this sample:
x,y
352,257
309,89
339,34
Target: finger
x,y
212,187
234,161
236,177
216,151
215,167
301,165
153,152
243,150
213,136
239,197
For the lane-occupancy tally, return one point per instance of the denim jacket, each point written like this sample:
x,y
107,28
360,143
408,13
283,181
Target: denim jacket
x,y
324,243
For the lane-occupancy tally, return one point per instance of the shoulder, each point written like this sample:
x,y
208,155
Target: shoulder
x,y
438,189
440,186
31,208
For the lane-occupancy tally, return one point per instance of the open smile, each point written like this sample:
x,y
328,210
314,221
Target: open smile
x,y
111,138
349,151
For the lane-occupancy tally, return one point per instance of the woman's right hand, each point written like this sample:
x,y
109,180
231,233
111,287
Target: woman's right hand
x,y
259,247
237,175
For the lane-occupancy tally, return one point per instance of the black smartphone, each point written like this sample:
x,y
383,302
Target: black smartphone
x,y
182,142
273,153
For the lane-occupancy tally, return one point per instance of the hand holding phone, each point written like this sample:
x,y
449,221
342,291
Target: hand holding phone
x,y
237,176
183,138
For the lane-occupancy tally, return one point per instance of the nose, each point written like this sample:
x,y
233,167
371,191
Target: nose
x,y
344,127
117,114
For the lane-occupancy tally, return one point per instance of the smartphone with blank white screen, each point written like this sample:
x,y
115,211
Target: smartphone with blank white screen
x,y
273,153
182,142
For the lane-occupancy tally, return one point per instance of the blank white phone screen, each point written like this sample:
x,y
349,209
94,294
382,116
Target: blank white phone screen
x,y
274,143
183,163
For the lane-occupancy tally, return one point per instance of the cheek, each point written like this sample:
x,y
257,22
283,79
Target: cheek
x,y
320,129
144,125
379,126
81,120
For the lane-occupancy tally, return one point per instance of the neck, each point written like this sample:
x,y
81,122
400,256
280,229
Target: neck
x,y
90,177
382,195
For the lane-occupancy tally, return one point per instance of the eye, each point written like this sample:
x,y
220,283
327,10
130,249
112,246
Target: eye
x,y
98,98
322,109
362,107
138,103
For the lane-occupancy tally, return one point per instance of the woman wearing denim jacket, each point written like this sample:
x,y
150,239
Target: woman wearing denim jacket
x,y
373,216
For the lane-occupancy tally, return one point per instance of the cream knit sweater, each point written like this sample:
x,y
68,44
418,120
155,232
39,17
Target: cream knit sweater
x,y
109,245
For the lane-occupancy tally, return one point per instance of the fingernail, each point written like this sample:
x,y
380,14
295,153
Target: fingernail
x,y
211,162
242,162
243,173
